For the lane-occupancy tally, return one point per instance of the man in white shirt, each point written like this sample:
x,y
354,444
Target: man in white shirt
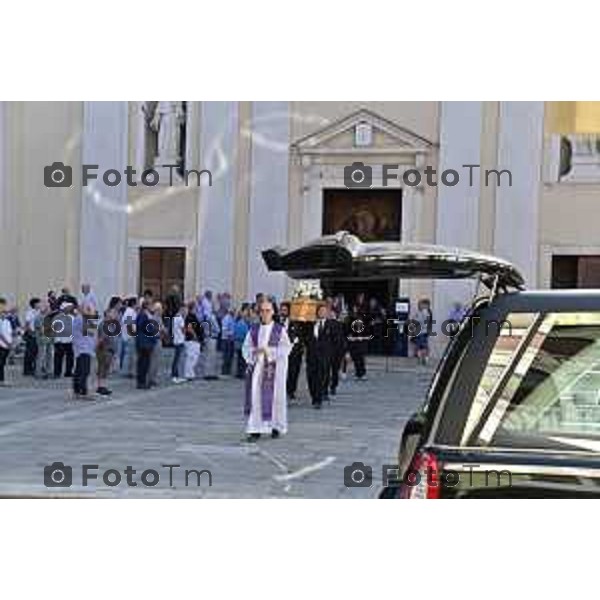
x,y
6,338
88,297
206,306
177,367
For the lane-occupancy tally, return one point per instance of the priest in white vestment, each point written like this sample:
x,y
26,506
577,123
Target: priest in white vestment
x,y
265,350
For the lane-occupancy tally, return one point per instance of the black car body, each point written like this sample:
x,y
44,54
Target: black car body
x,y
513,409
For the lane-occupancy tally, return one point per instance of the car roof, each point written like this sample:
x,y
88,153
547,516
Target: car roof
x,y
345,256
564,300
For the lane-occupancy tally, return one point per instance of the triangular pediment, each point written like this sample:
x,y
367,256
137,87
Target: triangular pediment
x,y
364,130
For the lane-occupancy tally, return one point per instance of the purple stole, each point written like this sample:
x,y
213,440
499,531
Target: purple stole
x,y
267,387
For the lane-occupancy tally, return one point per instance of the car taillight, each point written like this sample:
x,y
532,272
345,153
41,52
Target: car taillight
x,y
422,480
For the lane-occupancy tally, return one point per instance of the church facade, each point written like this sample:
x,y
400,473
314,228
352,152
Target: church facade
x,y
250,175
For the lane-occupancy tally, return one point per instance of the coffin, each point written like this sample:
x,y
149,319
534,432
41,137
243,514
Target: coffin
x,y
304,309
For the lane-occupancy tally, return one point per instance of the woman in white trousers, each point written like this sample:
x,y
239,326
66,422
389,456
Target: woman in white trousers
x,y
192,343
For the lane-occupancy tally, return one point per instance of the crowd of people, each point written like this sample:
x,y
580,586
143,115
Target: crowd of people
x,y
61,334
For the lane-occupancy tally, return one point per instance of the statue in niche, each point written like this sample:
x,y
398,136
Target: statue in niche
x,y
165,139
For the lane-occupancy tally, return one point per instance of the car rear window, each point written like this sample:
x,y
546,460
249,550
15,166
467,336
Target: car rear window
x,y
541,386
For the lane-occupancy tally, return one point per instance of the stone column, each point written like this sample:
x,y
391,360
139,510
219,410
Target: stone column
x,y
243,168
489,160
457,222
7,222
520,150
268,214
216,214
103,235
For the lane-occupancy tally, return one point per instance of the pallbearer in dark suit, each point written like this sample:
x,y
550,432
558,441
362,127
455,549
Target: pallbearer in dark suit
x,y
318,357
294,331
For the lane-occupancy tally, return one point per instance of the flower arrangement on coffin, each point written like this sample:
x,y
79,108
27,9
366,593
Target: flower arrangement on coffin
x,y
306,297
308,288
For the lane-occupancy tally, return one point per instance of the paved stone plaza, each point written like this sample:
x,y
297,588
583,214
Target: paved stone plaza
x,y
199,425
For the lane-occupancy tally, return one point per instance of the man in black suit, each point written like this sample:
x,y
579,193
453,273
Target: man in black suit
x,y
318,357
358,335
338,351
294,331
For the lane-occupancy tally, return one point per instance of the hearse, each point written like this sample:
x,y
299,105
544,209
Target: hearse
x,y
513,409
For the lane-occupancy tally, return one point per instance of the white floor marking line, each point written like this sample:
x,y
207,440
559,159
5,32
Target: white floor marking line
x,y
306,470
276,461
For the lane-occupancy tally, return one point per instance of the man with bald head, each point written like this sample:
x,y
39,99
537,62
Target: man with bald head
x,y
265,350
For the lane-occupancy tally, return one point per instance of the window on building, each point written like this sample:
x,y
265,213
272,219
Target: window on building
x,y
575,271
